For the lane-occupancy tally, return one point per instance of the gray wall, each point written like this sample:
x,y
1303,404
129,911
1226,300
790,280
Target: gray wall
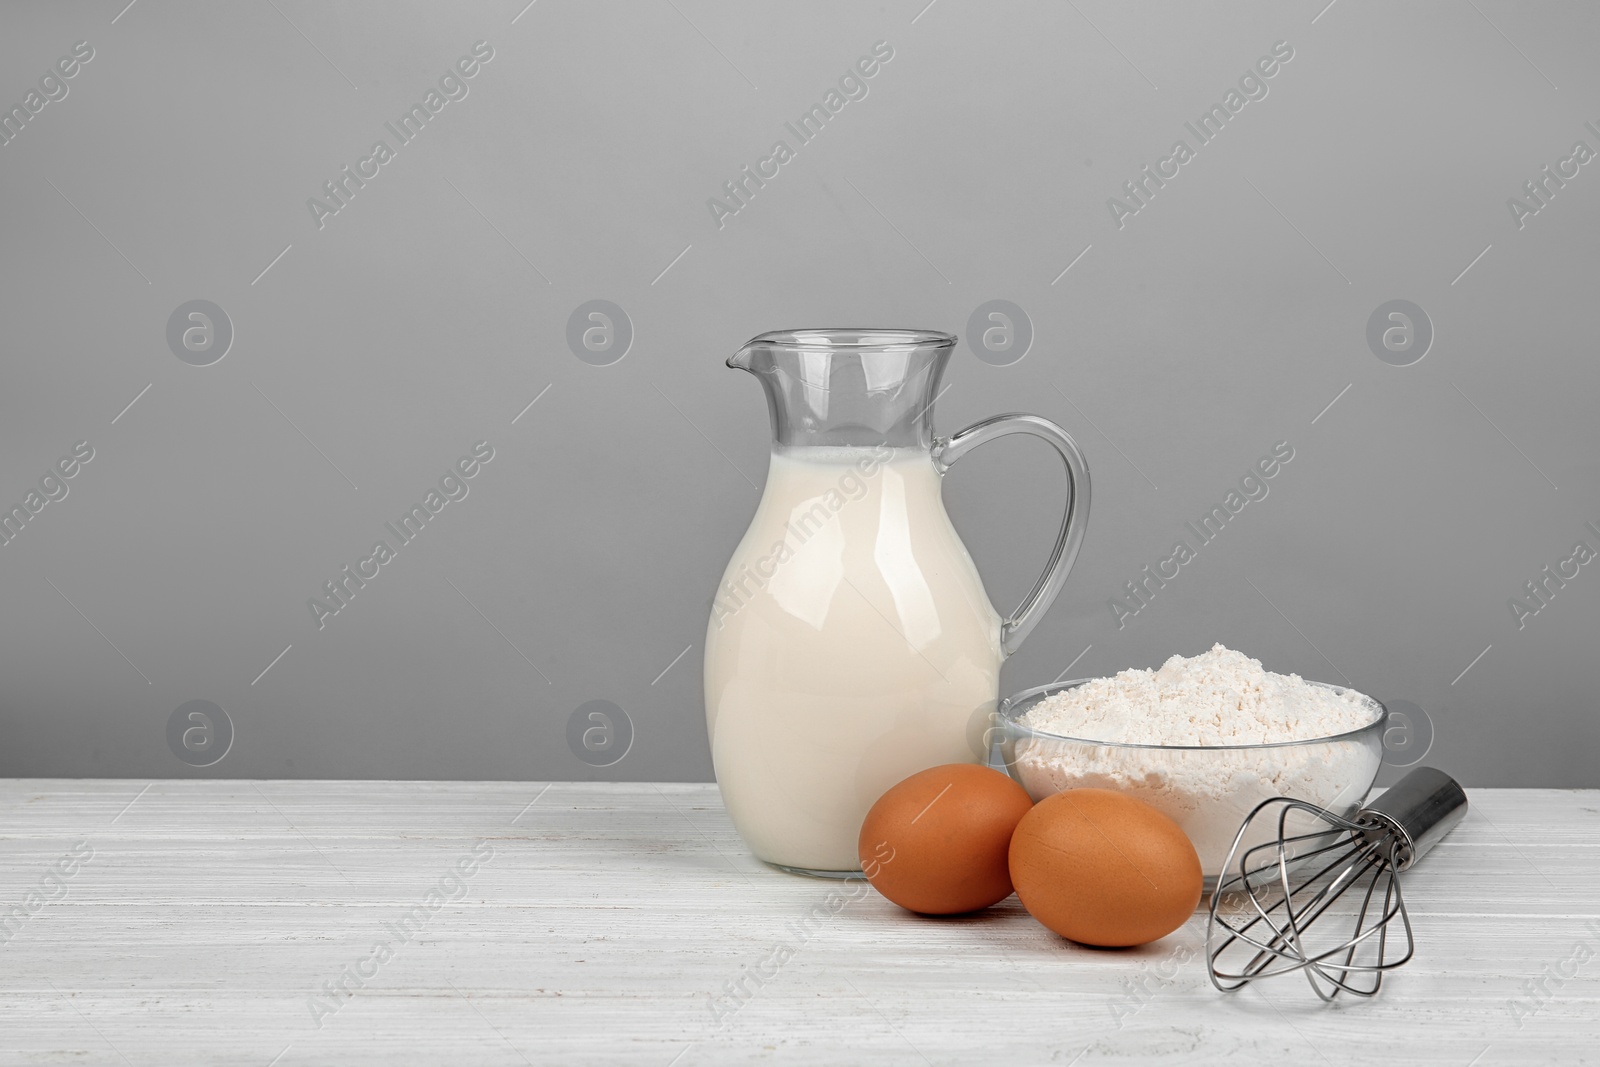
x,y
1224,316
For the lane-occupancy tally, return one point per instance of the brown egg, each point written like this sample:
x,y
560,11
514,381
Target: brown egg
x,y
1102,868
937,842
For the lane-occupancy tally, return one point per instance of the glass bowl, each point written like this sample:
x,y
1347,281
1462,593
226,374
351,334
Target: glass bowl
x,y
1206,789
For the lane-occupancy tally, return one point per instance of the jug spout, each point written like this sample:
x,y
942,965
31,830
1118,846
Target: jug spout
x,y
849,387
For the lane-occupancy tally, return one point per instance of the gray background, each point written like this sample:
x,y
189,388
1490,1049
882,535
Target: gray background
x,y
1222,318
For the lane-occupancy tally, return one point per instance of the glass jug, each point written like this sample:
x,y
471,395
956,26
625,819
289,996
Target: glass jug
x,y
851,642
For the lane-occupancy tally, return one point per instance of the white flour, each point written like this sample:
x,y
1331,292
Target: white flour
x,y
1220,697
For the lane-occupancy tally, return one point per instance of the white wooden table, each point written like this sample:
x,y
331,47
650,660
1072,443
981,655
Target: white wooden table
x,y
601,923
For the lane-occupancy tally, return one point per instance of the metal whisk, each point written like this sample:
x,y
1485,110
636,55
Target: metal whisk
x,y
1261,916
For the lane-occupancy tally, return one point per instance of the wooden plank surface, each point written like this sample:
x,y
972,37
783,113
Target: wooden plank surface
x,y
212,922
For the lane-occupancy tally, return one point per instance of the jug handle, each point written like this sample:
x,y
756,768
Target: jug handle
x,y
946,452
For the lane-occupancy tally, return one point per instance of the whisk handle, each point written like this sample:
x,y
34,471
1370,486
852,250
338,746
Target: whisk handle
x,y
1419,809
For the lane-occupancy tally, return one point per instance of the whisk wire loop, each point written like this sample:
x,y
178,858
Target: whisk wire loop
x,y
1345,853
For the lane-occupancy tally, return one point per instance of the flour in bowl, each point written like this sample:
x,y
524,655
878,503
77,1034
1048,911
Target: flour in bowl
x,y
1217,698
1220,697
